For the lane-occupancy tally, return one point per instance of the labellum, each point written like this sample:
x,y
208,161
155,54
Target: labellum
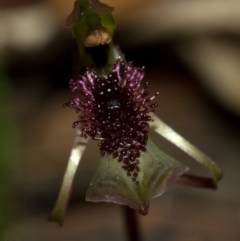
x,y
117,112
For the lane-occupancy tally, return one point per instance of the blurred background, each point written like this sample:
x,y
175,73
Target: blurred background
x,y
191,50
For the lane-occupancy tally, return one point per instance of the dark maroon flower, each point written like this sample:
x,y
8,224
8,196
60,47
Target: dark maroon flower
x,y
114,110
117,111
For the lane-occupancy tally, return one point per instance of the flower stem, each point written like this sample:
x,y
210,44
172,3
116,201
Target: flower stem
x,y
131,224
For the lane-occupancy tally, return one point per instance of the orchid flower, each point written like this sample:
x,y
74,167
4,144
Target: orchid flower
x,y
115,109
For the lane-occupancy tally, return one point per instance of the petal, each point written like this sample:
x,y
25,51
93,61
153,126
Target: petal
x,y
58,212
164,130
157,172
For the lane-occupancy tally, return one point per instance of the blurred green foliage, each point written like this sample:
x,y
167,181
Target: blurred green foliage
x,y
7,150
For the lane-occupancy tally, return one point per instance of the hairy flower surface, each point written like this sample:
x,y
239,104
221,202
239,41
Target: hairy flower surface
x,y
115,111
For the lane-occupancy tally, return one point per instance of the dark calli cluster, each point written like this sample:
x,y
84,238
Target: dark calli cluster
x,y
114,110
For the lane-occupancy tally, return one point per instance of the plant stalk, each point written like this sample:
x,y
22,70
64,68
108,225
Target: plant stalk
x,y
131,224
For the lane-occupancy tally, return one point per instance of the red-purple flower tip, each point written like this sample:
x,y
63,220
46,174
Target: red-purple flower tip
x,y
115,111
